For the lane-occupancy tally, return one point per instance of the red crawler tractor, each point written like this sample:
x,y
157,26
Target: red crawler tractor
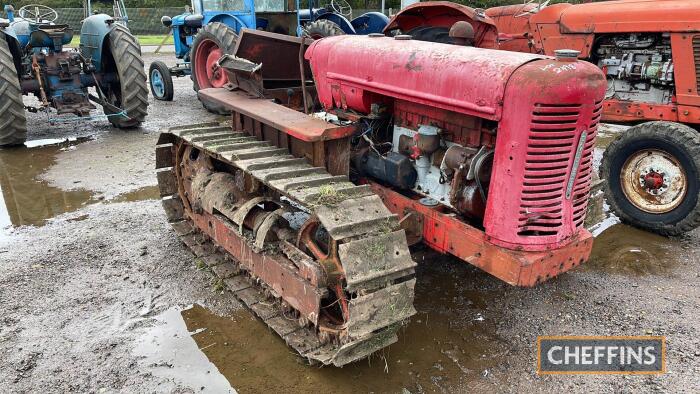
x,y
341,155
650,54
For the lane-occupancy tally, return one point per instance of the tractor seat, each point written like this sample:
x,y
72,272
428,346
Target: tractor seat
x,y
48,27
194,20
49,35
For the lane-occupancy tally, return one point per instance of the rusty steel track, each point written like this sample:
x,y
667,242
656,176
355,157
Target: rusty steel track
x,y
336,288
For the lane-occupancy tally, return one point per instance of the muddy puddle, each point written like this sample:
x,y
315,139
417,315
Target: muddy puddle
x,y
607,133
449,346
25,200
622,249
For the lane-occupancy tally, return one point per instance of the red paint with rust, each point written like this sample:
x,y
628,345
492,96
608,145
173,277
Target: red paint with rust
x,y
533,98
293,123
445,14
280,273
446,233
206,67
356,71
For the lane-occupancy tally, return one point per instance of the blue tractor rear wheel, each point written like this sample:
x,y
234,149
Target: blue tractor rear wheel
x,y
322,28
129,92
161,81
13,122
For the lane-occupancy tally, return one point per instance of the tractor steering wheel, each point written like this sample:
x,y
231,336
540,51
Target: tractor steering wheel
x,y
38,13
340,7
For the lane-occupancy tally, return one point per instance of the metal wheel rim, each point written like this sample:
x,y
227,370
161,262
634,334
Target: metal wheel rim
x,y
657,165
206,68
157,83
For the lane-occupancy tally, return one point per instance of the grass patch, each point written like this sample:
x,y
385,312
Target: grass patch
x,y
329,195
375,250
218,285
143,40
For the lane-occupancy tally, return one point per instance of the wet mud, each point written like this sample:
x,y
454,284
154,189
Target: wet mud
x,y
26,199
440,350
622,249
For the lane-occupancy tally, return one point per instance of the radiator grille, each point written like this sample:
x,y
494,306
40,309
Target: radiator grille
x,y
696,53
551,147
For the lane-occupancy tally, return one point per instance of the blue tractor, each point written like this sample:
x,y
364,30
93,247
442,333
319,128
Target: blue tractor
x,y
33,61
211,30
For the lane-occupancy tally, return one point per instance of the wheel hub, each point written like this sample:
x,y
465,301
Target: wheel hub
x,y
206,65
653,181
157,83
216,76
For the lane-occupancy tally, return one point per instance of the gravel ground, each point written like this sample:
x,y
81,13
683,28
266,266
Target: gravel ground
x,y
92,300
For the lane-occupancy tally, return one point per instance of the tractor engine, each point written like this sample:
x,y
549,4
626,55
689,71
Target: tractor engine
x,y
639,67
503,140
63,81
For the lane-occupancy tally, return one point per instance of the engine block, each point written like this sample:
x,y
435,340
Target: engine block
x,y
639,67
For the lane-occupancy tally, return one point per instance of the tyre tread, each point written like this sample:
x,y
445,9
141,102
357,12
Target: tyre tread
x,y
126,51
13,120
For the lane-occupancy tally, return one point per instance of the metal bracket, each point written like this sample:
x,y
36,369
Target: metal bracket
x,y
577,161
241,213
265,226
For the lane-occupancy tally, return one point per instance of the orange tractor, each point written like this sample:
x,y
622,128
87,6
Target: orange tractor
x,y
650,52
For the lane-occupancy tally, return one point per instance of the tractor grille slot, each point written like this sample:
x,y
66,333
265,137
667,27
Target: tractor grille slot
x,y
582,185
551,146
696,53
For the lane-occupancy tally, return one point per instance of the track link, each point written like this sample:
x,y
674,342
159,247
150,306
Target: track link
x,y
372,260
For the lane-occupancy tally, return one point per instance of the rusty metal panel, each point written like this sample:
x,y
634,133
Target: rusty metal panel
x,y
173,208
279,273
368,212
277,54
370,258
294,123
167,183
518,268
359,349
382,308
164,156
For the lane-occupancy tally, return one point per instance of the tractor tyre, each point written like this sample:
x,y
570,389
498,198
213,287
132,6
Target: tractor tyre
x,y
211,42
161,81
431,34
652,174
130,92
322,28
13,122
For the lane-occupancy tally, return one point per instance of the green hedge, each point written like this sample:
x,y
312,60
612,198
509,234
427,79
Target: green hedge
x,y
100,4
359,4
